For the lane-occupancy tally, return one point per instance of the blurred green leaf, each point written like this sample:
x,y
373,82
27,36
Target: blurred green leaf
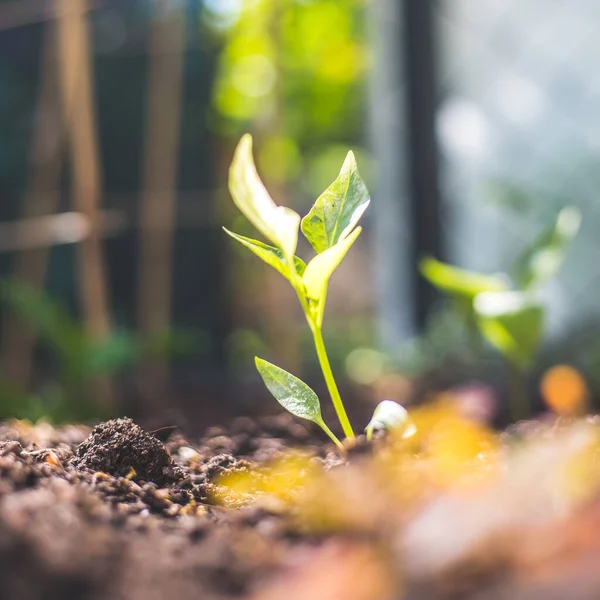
x,y
48,318
77,355
459,282
272,256
17,404
321,267
319,49
512,322
338,209
542,260
277,223
111,354
292,393
509,195
175,343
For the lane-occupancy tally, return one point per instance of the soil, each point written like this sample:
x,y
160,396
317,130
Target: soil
x,y
122,449
113,512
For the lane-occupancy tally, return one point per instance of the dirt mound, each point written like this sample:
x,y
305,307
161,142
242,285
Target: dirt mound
x,y
123,449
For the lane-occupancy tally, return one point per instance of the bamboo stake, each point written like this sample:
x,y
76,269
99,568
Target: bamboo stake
x,y
157,209
21,13
41,198
58,229
75,71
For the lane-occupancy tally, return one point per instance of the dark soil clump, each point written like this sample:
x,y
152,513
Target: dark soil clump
x,y
122,449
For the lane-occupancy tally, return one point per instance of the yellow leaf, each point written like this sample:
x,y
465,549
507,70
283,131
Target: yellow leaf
x,y
320,268
277,223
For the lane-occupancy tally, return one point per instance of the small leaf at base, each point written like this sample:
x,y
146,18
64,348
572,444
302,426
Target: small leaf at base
x,y
293,394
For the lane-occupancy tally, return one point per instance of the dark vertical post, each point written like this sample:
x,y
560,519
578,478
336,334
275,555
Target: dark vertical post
x,y
422,154
392,216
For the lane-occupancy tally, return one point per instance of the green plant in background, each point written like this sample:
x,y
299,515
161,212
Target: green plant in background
x,y
331,228
78,357
504,309
294,71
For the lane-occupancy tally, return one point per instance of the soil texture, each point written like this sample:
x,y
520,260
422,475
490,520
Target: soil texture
x,y
115,513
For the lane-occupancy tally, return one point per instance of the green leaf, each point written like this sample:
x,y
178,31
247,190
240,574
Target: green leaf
x,y
320,268
277,223
292,393
338,209
272,256
114,353
542,260
48,318
459,282
512,322
392,416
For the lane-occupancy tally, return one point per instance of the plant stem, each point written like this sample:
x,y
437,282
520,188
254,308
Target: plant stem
x,y
330,433
518,398
314,320
330,381
473,335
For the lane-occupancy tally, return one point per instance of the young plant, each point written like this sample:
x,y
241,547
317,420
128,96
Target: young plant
x,y
504,309
331,229
392,416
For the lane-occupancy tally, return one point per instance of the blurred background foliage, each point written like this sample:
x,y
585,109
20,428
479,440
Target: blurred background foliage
x,y
173,85
293,72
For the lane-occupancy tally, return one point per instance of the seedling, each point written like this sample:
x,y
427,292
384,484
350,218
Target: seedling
x,y
331,229
390,415
505,309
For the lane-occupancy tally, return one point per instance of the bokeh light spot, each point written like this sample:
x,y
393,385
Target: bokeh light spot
x,y
565,391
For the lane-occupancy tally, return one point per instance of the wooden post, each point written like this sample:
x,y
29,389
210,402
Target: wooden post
x,y
157,209
75,71
41,198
